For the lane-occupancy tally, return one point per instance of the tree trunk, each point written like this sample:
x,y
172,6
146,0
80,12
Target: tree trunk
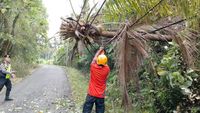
x,y
148,36
7,44
81,48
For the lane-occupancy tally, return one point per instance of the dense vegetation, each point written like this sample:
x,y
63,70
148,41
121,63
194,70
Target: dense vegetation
x,y
167,80
172,85
23,32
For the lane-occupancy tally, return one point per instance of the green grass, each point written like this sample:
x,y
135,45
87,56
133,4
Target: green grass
x,y
79,85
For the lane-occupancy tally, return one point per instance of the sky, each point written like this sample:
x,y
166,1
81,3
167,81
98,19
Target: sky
x,y
62,8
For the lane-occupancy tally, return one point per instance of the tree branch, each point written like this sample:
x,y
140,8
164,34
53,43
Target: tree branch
x,y
72,7
14,24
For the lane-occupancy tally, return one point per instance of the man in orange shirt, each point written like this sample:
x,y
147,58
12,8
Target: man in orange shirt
x,y
99,71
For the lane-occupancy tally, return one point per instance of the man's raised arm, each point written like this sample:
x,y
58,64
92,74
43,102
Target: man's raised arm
x,y
100,51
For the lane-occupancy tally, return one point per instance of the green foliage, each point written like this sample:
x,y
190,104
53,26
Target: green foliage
x,y
63,54
22,68
83,62
60,57
31,40
23,31
170,66
120,10
113,94
165,91
171,89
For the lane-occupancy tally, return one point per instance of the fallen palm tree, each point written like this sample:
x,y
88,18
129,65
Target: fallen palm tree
x,y
132,40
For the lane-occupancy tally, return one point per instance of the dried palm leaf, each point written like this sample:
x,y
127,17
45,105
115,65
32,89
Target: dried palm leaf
x,y
187,43
131,52
123,67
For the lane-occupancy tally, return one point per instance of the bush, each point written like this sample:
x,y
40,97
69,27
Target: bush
x,y
21,67
170,88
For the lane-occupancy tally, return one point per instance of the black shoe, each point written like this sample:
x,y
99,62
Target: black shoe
x,y
8,99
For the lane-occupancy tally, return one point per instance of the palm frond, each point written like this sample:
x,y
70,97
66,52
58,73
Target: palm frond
x,y
123,67
187,43
131,52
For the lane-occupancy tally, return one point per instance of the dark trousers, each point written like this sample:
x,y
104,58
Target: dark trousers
x,y
8,85
89,102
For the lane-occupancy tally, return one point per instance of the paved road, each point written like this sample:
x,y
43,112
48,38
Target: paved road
x,y
46,91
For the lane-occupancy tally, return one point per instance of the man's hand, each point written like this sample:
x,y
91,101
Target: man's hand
x,y
13,72
101,48
100,51
13,76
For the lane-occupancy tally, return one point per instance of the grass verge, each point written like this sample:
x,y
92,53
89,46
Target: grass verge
x,y
79,85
